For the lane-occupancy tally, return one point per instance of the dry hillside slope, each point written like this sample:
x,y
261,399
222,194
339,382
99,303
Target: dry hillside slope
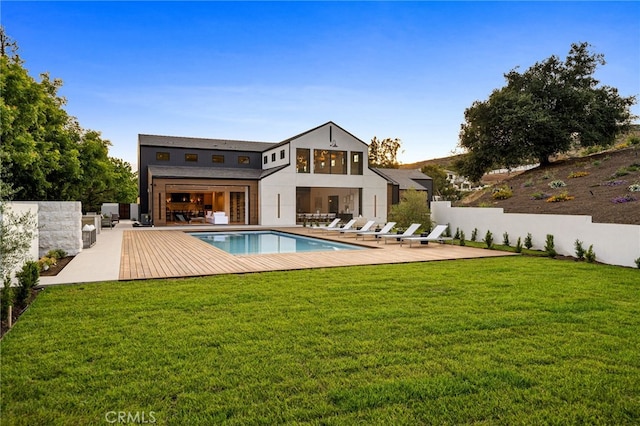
x,y
601,179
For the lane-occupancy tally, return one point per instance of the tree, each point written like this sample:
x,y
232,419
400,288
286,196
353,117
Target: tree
x,y
412,208
383,153
44,151
441,186
548,109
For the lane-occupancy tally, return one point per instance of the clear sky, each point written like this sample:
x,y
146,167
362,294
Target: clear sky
x,y
266,71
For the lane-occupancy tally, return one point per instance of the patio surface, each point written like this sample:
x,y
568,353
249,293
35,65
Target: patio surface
x,y
127,253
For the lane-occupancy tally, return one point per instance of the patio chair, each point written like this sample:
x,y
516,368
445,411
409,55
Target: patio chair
x,y
346,226
434,235
332,225
180,218
364,228
409,232
385,230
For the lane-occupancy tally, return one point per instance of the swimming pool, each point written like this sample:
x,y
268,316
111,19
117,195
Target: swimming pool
x,y
269,242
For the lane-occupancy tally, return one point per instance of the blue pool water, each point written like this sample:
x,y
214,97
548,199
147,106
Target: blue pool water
x,y
268,242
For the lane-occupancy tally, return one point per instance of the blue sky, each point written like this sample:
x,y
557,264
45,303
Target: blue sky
x,y
266,71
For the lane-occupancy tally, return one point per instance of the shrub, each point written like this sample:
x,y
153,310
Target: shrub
x,y
528,243
411,209
624,199
539,196
505,239
590,255
633,167
549,246
27,279
457,234
622,171
56,254
637,262
613,183
596,163
557,184
6,299
488,239
519,245
547,176
528,183
45,263
634,188
563,196
579,250
574,175
474,234
462,243
633,140
502,193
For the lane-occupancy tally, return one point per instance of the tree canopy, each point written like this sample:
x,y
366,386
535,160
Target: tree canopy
x,y
383,153
45,153
549,109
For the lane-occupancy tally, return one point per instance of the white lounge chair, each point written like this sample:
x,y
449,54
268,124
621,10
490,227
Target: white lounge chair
x,y
385,230
332,225
365,228
434,235
346,226
409,232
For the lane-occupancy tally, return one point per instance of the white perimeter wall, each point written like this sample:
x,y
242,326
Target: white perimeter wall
x,y
614,244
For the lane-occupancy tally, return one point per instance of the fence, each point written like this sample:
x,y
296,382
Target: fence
x,y
614,244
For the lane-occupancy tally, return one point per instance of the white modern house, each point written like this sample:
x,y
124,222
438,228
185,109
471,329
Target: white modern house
x,y
321,171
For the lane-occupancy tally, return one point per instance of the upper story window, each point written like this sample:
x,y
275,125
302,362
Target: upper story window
x,y
162,156
191,157
217,158
265,159
243,159
329,162
357,163
282,154
302,160
273,157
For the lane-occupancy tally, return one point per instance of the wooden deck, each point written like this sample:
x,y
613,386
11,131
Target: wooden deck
x,y
156,253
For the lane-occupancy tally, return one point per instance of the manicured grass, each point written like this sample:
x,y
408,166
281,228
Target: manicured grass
x,y
514,340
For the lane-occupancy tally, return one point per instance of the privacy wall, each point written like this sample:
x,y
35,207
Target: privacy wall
x,y
614,244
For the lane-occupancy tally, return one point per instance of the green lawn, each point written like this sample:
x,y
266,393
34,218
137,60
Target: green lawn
x,y
493,341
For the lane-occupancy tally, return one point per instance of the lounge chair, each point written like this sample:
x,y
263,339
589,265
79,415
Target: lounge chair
x,y
434,235
409,232
332,225
180,218
385,230
346,226
365,228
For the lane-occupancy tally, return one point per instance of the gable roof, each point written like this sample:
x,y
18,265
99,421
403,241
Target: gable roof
x,y
203,143
404,178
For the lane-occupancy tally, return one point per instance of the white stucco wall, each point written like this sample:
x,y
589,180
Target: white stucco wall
x,y
615,244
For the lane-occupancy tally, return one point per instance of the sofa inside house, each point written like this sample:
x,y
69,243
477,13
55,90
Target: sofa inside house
x,y
217,218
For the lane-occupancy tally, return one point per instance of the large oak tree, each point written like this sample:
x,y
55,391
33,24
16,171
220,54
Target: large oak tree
x,y
550,108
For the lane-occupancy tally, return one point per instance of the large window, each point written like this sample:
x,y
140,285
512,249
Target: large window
x,y
356,163
243,159
191,157
330,162
302,160
162,156
217,158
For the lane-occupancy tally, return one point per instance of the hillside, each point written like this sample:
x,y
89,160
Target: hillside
x,y
607,176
